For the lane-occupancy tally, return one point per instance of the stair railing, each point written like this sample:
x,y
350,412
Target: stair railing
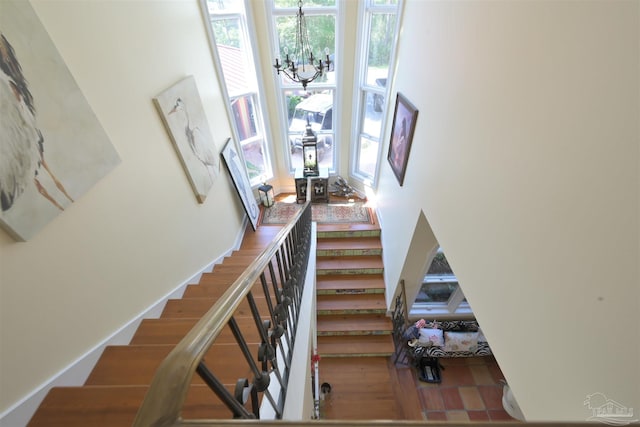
x,y
284,263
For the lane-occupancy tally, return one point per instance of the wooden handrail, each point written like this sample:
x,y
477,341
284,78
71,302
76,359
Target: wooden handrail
x,y
167,393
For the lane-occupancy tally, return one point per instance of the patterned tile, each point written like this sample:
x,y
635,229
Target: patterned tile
x,y
492,396
471,398
451,397
457,416
481,374
457,375
499,415
436,416
432,399
478,416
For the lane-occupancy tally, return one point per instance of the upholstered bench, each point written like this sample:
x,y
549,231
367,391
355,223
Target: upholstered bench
x,y
447,338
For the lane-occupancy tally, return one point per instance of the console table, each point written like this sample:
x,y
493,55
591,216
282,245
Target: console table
x,y
319,186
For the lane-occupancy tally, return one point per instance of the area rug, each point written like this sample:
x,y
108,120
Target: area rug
x,y
322,213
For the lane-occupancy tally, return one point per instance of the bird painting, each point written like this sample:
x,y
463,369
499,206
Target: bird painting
x,y
197,142
53,148
182,113
22,160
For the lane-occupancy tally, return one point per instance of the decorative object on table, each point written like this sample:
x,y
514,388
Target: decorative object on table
x,y
265,191
299,65
310,151
236,169
404,124
341,187
53,149
182,113
319,186
322,213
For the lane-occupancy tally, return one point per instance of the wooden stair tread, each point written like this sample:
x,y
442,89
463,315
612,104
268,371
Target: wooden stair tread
x,y
116,406
358,324
355,345
172,330
358,302
137,364
197,307
213,289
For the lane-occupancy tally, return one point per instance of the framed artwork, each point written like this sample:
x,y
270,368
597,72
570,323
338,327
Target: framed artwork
x,y
53,148
238,173
404,124
182,113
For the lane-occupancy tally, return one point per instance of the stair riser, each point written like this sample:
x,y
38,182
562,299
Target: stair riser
x,y
348,271
352,333
347,252
354,311
348,233
355,355
348,291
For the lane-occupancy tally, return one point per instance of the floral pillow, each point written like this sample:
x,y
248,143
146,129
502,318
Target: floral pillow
x,y
430,337
460,341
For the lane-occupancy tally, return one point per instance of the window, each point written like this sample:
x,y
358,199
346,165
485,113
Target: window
x,y
232,51
440,292
316,105
379,28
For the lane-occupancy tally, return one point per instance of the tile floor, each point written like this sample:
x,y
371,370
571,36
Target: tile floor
x,y
470,391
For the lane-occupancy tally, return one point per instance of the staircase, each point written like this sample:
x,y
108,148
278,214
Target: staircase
x,y
352,316
116,386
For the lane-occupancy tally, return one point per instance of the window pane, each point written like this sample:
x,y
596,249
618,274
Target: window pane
x,y
436,293
372,124
294,3
255,160
236,6
238,74
321,30
244,117
368,156
316,108
381,37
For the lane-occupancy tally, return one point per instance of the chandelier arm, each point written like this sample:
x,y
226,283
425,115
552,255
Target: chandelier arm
x,y
303,57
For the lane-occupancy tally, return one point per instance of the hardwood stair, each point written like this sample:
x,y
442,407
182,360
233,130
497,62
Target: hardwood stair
x,y
351,308
115,388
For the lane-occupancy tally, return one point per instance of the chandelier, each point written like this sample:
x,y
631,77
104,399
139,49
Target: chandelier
x,y
300,66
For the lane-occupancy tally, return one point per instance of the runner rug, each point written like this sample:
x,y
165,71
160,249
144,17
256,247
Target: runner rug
x,y
322,213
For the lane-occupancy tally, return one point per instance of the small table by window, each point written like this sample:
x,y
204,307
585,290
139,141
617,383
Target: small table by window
x,y
319,186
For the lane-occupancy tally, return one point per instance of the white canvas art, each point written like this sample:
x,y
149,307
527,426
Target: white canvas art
x,y
238,173
53,149
182,112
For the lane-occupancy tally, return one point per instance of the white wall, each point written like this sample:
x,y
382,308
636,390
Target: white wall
x,y
525,162
139,233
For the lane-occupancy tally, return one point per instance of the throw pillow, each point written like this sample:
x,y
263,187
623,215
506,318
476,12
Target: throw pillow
x,y
460,341
432,337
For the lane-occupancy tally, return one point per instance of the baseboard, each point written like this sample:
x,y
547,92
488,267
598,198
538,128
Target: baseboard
x,y
77,372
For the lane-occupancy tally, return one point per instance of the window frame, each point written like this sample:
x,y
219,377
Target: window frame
x,y
456,305
366,11
245,21
282,86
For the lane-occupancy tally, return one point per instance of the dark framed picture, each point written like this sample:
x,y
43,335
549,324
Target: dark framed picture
x,y
404,123
238,173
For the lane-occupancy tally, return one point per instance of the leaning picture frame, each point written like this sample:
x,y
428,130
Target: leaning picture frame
x,y
237,170
403,127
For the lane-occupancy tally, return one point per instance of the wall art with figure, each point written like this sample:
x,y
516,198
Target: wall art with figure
x,y
404,124
53,149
